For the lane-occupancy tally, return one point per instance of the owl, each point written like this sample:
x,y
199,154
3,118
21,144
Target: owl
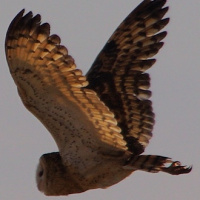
x,y
101,122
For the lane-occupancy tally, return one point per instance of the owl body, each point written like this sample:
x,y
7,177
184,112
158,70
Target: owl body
x,y
65,180
101,122
90,161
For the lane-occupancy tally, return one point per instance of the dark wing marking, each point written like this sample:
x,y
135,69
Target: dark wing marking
x,y
118,73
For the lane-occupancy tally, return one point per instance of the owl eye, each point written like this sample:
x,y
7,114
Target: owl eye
x,y
40,174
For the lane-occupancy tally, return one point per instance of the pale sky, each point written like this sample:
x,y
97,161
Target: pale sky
x,y
84,27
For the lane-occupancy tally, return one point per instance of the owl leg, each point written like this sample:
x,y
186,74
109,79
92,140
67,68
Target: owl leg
x,y
154,164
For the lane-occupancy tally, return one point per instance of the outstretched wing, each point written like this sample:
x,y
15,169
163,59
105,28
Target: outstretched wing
x,y
52,88
118,73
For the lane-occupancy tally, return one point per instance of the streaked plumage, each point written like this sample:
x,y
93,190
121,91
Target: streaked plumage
x,y
101,122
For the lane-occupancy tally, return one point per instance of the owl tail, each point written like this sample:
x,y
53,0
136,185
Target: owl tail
x,y
154,164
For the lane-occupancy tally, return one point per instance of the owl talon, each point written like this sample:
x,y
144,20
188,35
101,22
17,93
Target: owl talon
x,y
175,168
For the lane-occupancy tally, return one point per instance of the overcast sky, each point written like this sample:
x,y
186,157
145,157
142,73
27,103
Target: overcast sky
x,y
84,26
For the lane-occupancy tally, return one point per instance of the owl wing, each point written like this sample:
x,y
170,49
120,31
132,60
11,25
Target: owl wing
x,y
53,89
118,73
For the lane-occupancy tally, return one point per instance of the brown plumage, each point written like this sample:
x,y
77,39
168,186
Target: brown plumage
x,y
101,122
118,72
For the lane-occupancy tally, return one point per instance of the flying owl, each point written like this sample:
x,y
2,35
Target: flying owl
x,y
101,122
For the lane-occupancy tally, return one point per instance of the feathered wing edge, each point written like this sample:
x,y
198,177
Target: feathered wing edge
x,y
118,73
38,61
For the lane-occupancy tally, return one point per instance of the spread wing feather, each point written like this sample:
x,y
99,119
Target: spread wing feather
x,y
53,89
118,73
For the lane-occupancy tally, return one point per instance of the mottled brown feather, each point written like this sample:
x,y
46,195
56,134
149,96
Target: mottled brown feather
x,y
117,74
42,69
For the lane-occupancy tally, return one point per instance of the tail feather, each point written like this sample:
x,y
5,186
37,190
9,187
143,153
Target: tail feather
x,y
154,164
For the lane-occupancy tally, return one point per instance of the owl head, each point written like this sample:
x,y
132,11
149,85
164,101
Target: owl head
x,y
52,176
